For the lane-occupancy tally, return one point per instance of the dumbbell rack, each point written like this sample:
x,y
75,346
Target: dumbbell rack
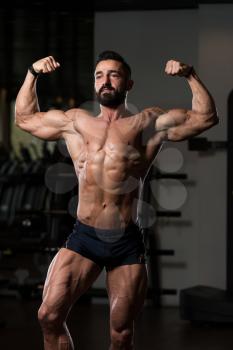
x,y
155,291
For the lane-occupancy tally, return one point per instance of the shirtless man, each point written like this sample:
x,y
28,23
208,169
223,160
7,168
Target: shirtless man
x,y
111,153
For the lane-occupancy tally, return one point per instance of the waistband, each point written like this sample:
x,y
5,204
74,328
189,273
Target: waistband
x,y
131,227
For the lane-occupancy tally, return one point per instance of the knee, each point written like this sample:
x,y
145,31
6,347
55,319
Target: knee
x,y
48,318
122,339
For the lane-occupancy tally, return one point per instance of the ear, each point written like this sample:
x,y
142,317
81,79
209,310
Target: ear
x,y
130,83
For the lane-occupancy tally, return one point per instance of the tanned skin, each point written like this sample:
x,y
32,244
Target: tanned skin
x,y
111,153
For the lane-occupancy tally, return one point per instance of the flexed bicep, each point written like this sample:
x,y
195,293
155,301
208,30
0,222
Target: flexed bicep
x,y
45,125
180,124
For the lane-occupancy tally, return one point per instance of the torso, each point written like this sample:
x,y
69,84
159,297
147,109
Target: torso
x,y
110,158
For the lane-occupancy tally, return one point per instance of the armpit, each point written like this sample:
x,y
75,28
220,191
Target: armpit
x,y
150,115
154,112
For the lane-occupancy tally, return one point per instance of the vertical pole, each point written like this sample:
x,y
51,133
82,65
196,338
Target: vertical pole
x,y
230,196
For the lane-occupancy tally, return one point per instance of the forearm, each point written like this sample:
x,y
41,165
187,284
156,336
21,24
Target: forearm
x,y
202,101
26,101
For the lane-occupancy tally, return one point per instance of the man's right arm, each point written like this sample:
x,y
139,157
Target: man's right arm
x,y
46,125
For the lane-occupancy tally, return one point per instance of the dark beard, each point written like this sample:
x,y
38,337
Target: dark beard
x,y
111,99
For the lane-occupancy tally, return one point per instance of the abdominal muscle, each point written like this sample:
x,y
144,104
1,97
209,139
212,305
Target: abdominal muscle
x,y
108,191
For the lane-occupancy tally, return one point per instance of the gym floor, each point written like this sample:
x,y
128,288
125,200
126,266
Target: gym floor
x,y
160,329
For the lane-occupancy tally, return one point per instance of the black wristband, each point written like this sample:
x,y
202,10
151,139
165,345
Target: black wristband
x,y
191,70
32,70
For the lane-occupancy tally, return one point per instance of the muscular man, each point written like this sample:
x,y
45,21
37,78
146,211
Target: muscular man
x,y
111,153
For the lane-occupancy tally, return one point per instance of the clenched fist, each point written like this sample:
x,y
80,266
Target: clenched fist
x,y
178,68
46,65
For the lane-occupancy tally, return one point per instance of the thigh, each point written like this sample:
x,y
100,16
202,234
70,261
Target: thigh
x,y
127,287
69,276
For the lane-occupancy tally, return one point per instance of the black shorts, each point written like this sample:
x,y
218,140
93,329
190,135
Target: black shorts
x,y
108,248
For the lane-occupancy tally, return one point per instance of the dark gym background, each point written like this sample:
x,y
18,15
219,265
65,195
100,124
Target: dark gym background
x,y
188,194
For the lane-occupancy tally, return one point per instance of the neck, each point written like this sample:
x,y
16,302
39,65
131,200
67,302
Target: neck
x,y
110,114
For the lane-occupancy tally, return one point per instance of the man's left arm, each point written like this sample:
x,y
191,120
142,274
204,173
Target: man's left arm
x,y
180,124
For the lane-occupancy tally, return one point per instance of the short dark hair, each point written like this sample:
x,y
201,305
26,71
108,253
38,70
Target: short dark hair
x,y
112,55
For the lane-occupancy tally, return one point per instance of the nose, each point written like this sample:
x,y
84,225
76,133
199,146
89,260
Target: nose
x,y
106,80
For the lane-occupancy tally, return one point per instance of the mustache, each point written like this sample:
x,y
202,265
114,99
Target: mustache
x,y
109,87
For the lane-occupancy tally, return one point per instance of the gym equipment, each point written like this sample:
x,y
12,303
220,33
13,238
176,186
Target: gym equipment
x,y
201,144
153,251
29,230
203,304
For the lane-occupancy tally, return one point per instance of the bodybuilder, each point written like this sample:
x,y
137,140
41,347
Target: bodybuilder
x,y
111,153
